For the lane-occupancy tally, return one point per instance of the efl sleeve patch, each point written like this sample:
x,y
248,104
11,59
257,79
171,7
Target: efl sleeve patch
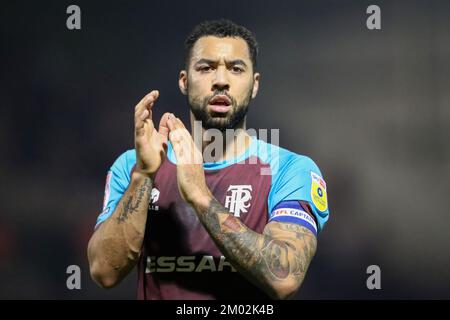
x,y
293,212
319,192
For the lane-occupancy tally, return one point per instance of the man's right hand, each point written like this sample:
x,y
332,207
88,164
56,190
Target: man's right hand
x,y
151,145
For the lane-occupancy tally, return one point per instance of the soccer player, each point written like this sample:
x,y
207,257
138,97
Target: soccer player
x,y
243,226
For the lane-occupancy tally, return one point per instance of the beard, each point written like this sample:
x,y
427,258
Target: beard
x,y
210,120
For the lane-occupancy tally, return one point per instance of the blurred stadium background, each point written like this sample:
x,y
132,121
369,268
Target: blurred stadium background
x,y
372,108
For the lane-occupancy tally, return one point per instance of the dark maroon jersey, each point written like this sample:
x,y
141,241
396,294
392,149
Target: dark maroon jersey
x,y
179,260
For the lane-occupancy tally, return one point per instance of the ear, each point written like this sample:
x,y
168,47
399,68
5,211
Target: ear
x,y
256,77
182,82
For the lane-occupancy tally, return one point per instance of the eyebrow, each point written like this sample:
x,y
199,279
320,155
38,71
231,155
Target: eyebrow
x,y
231,62
237,61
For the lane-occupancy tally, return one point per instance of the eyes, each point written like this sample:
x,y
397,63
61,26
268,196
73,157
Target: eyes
x,y
204,69
207,69
237,69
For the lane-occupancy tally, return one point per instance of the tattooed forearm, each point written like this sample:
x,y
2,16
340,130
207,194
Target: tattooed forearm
x,y
282,253
133,202
115,247
211,218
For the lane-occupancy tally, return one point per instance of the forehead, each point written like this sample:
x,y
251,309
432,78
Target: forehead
x,y
215,48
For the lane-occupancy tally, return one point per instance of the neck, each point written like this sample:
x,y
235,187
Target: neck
x,y
219,146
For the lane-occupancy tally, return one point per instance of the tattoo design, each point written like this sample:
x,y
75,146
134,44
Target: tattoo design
x,y
232,224
283,251
275,256
211,219
132,203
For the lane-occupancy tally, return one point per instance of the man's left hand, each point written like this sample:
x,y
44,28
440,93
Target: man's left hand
x,y
190,174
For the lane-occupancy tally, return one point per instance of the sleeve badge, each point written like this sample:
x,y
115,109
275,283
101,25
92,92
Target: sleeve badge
x,y
319,192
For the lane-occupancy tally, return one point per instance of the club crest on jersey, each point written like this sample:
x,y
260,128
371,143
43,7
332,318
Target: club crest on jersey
x,y
154,197
239,200
319,192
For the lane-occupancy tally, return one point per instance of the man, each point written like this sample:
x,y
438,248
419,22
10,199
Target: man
x,y
241,226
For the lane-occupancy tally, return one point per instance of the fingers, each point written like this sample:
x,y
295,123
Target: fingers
x,y
176,134
174,123
163,126
144,115
183,145
147,102
142,111
176,127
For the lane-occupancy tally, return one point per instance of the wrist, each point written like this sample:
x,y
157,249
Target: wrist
x,y
200,200
139,175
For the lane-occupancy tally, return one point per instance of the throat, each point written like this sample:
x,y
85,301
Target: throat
x,y
226,147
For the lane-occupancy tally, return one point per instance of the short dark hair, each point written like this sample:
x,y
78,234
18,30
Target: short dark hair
x,y
222,28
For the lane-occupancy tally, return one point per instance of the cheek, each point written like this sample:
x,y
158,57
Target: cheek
x,y
200,81
243,89
196,93
198,86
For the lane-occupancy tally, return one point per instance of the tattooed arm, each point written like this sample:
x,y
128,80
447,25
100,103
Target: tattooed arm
x,y
275,261
115,246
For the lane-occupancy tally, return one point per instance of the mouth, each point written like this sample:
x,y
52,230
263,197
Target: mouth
x,y
220,104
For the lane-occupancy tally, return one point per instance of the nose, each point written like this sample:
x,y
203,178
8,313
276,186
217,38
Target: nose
x,y
220,81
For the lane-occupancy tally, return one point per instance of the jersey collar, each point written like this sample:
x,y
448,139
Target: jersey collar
x,y
220,164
